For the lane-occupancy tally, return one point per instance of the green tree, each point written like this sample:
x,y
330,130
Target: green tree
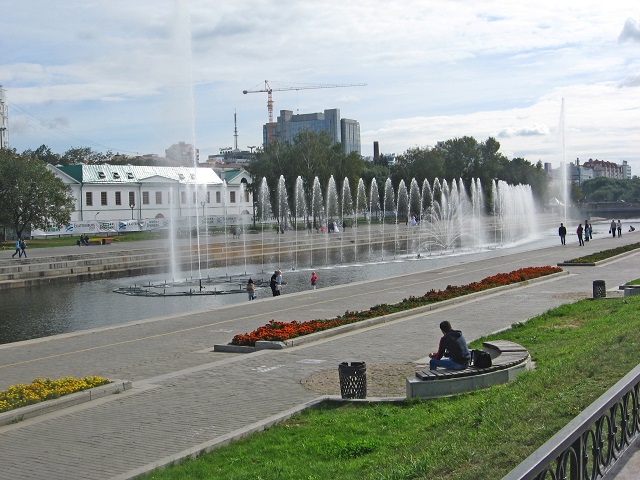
x,y
77,155
31,196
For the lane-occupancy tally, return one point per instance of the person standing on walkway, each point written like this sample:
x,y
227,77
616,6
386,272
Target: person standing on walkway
x,y
17,249
314,280
579,232
619,228
454,347
586,230
276,283
251,289
23,249
613,228
562,231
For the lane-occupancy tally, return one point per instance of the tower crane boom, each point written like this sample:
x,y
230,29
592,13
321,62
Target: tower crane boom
x,y
269,91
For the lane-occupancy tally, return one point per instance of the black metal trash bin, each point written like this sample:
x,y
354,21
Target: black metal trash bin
x,y
353,379
599,289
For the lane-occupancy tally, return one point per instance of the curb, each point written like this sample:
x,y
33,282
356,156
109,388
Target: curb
x,y
47,406
312,337
599,262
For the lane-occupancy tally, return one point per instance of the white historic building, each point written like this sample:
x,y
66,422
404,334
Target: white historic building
x,y
127,197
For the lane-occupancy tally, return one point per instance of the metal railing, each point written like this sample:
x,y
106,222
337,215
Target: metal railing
x,y
592,442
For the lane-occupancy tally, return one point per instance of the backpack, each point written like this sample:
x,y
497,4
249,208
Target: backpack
x,y
480,359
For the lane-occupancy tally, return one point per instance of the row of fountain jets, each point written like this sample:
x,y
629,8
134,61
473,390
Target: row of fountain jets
x,y
446,213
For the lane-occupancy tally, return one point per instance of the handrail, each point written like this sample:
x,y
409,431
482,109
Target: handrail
x,y
592,442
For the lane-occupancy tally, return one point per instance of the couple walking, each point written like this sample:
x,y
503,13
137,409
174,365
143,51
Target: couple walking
x,y
21,249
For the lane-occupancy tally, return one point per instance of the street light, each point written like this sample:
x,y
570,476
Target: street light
x,y
95,218
132,206
251,147
202,203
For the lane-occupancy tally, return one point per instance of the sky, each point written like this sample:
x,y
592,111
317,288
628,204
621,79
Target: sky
x,y
550,80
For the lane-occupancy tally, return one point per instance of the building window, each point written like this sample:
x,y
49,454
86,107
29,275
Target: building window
x,y
132,198
246,196
217,197
193,199
208,196
183,197
158,198
103,198
145,198
89,199
232,197
118,198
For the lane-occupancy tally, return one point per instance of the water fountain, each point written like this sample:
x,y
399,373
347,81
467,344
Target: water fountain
x,y
442,218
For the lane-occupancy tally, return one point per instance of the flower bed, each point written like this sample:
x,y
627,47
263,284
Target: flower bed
x,y
40,389
282,331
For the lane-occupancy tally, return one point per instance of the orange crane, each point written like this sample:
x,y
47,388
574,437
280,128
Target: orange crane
x,y
269,90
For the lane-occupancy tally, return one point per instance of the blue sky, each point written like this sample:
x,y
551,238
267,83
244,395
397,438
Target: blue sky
x,y
140,76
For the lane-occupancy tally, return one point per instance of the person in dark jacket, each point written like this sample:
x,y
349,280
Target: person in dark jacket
x,y
276,283
454,347
562,231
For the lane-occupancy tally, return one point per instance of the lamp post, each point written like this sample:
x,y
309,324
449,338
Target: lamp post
x,y
251,147
95,218
132,206
202,203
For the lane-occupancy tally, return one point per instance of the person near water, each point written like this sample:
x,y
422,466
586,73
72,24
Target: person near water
x,y
562,231
613,228
579,231
276,283
251,289
314,280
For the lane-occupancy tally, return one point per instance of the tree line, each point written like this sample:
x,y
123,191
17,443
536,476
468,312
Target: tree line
x,y
312,155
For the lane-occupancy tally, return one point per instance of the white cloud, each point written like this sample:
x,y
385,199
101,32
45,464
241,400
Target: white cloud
x,y
630,31
434,70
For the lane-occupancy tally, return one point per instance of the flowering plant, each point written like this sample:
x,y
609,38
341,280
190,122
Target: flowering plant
x,y
40,389
282,331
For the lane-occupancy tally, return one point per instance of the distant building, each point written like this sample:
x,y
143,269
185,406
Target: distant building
x,y
117,197
288,125
182,154
577,173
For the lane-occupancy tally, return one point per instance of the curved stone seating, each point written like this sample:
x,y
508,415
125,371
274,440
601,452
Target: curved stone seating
x,y
508,360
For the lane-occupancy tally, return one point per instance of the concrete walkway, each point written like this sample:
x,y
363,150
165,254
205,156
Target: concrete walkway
x,y
186,399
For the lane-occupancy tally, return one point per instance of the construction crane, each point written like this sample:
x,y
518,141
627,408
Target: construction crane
x,y
269,90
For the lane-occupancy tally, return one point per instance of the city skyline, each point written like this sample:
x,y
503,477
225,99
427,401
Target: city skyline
x,y
433,72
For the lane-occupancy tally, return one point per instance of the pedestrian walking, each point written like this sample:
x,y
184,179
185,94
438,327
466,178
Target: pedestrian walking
x,y
314,280
562,231
579,232
276,283
17,249
619,228
23,249
251,289
613,228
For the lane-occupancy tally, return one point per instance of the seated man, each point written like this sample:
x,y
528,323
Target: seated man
x,y
454,347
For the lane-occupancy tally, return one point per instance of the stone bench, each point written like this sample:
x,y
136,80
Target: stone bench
x,y
508,360
629,290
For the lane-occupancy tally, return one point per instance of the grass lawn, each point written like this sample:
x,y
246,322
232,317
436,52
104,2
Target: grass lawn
x,y
580,351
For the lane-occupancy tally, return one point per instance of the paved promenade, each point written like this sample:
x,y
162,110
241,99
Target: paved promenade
x,y
185,398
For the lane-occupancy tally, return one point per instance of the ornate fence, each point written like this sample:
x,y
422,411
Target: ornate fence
x,y
592,442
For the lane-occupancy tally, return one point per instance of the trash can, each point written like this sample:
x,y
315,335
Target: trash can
x,y
104,241
353,379
599,289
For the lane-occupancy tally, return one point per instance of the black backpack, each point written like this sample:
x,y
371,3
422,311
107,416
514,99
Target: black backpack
x,y
480,359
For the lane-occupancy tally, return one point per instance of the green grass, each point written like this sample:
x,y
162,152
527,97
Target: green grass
x,y
580,351
605,254
634,282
